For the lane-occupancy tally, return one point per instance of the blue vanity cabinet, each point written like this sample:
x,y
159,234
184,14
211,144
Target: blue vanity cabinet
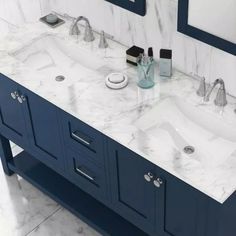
x,y
12,121
83,160
44,130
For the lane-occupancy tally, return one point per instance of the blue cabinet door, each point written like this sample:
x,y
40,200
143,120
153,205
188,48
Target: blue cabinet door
x,y
221,217
12,122
44,130
132,196
183,209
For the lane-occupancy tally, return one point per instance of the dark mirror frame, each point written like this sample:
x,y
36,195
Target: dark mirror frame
x,y
138,7
201,35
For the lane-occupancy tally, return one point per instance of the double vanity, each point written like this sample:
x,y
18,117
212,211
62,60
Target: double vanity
x,y
159,162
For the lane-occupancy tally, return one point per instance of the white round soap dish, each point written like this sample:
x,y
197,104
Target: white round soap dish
x,y
116,80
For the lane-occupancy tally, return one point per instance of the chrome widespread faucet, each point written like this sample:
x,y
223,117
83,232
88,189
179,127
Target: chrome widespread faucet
x,y
89,36
220,99
74,30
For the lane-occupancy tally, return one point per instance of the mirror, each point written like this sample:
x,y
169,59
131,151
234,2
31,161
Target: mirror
x,y
136,6
211,21
219,21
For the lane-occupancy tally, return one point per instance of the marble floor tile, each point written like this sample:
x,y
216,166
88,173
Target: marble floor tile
x,y
12,144
22,207
24,210
15,149
63,223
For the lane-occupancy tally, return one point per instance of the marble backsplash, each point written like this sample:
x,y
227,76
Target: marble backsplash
x,y
158,29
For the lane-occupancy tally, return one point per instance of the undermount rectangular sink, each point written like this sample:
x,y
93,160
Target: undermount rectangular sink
x,y
177,124
55,56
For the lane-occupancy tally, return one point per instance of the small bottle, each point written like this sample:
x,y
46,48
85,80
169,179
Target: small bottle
x,y
150,53
165,64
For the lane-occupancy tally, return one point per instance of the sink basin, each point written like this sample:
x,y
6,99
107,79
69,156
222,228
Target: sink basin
x,y
54,56
183,124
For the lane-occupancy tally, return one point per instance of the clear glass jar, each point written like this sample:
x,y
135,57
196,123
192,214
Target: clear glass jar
x,y
146,74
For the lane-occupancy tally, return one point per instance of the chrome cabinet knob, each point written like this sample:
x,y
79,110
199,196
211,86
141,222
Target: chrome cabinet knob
x,y
21,99
148,177
14,95
158,182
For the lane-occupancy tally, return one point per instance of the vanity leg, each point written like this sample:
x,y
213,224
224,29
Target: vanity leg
x,y
5,155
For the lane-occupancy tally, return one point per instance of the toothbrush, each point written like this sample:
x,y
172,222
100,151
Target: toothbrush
x,y
142,61
150,56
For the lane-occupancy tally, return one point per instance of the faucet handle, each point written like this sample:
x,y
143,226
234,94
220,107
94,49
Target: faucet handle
x,y
221,99
88,35
103,41
201,92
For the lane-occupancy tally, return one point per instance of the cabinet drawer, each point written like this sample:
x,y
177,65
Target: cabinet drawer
x,y
82,138
86,175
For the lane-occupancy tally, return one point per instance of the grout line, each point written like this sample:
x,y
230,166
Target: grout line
x,y
53,213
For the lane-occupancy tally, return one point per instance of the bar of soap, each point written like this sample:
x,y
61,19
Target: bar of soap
x,y
51,18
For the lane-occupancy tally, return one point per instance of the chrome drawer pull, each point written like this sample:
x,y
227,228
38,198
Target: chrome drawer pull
x,y
84,174
80,139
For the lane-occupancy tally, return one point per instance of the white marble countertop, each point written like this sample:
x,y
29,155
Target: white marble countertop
x,y
117,113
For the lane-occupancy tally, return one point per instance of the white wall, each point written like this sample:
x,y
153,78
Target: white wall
x,y
158,29
16,12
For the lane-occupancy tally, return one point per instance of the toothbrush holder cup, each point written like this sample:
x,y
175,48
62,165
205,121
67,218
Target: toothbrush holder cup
x,y
146,74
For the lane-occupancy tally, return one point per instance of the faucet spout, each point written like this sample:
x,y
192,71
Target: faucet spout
x,y
88,37
84,19
221,95
74,30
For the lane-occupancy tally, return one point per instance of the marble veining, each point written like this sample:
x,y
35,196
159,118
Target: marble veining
x,y
118,113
